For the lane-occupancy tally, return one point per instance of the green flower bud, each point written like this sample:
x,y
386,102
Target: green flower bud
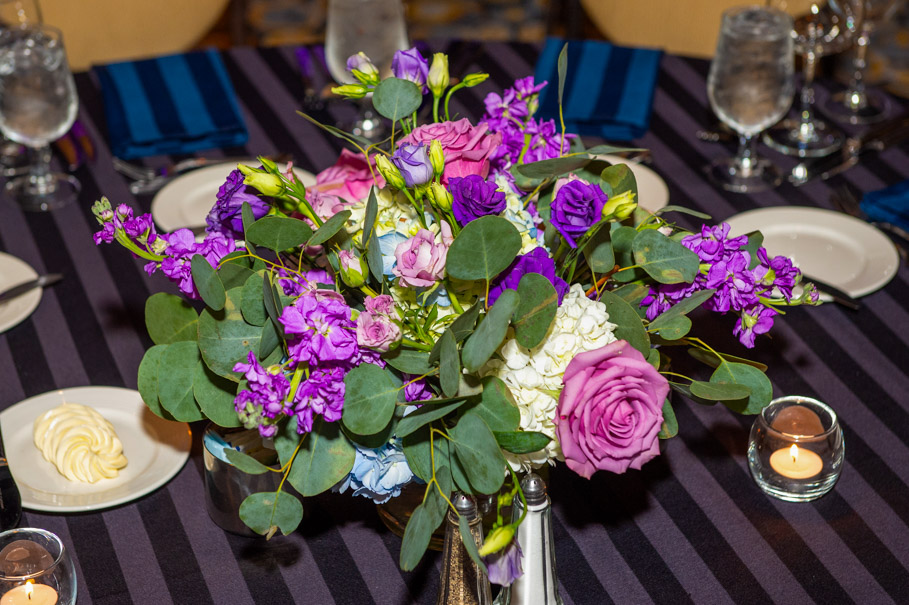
x,y
619,207
498,538
438,74
389,171
268,163
436,157
363,69
267,184
440,196
471,80
103,211
351,91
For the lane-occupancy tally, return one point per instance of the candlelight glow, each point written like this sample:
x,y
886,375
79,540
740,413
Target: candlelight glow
x,y
29,589
794,452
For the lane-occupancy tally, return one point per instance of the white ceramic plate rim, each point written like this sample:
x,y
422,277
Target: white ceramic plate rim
x,y
156,450
653,193
14,271
877,259
186,200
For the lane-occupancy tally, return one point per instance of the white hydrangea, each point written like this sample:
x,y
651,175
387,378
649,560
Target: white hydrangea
x,y
534,376
518,216
396,214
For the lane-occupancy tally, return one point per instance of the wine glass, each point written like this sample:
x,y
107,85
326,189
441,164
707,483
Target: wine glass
x,y
826,29
13,13
856,104
35,567
37,105
375,27
750,87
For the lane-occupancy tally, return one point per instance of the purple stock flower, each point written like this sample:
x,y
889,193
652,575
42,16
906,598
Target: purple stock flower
x,y
264,399
413,162
714,242
754,320
181,247
410,65
321,327
504,111
226,215
473,197
777,272
417,390
734,283
535,261
322,393
545,141
577,207
504,567
525,87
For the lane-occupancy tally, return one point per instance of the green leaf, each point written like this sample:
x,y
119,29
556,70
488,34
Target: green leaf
x,y
664,260
548,169
409,361
234,273
325,458
423,416
251,304
672,328
715,359
369,220
215,396
449,364
496,406
396,99
207,283
717,391
618,179
265,511
653,358
563,71
628,323
416,451
749,376
170,319
470,543
611,150
374,259
148,380
272,299
633,294
598,252
670,426
755,241
463,326
682,210
491,332
479,453
269,341
483,249
329,228
369,398
279,233
424,521
244,462
622,242
685,306
536,309
176,370
225,338
246,214
521,442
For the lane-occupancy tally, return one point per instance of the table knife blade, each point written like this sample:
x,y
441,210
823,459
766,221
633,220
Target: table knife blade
x,y
835,293
41,281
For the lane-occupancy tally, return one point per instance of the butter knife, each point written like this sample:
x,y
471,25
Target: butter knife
x,y
835,293
40,282
885,135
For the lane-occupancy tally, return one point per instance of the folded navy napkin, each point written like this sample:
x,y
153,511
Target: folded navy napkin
x,y
890,205
608,89
173,104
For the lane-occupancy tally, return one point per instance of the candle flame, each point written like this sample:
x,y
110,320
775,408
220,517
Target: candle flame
x,y
794,452
29,589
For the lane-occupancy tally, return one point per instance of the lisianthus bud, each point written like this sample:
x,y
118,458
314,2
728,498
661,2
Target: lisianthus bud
x,y
351,91
440,196
353,268
413,162
498,538
267,184
438,74
363,69
619,207
471,80
436,157
389,171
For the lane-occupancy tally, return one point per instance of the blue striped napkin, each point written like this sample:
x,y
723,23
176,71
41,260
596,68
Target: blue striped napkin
x,y
173,104
890,205
608,89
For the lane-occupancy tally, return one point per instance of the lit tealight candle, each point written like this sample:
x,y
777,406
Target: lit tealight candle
x,y
30,594
796,463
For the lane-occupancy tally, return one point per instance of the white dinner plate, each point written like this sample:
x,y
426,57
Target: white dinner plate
x,y
841,250
155,449
653,193
14,271
186,200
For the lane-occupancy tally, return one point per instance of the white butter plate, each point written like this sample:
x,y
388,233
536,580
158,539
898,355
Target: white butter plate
x,y
14,271
653,193
841,250
186,200
155,449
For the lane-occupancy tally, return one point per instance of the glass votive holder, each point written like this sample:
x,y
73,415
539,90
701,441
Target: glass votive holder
x,y
35,569
796,450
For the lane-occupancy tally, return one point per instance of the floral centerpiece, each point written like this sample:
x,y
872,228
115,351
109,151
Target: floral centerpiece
x,y
454,305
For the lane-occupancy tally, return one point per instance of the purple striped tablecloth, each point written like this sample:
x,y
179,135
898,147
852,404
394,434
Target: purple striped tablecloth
x,y
691,527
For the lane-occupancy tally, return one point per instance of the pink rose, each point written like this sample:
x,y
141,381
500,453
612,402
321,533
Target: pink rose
x,y
381,304
610,410
421,259
349,179
326,205
377,331
466,147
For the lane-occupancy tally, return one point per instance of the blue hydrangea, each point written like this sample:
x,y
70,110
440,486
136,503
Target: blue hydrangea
x,y
378,473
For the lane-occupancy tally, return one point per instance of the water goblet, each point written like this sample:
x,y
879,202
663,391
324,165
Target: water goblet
x,y
35,567
375,27
750,87
826,29
857,104
37,105
15,13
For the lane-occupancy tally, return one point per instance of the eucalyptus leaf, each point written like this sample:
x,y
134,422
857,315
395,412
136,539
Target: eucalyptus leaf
x,y
687,305
269,341
449,364
664,260
496,406
176,370
169,318
462,327
552,168
207,283
369,398
252,306
409,361
633,294
215,396
148,380
537,306
483,249
426,518
244,462
417,454
755,241
628,323
225,338
715,359
599,253
396,99
369,220
618,179
247,216
325,458
521,442
329,228
234,274
563,71
470,543
716,391
279,233
423,416
749,376
673,328
670,426
682,210
479,453
490,333
622,241
264,511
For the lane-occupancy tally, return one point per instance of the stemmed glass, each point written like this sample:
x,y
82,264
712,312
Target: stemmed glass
x,y
750,87
856,104
375,27
826,29
37,105
16,13
35,567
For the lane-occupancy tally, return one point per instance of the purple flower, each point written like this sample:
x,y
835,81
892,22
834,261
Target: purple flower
x,y
264,399
777,272
410,65
755,320
181,247
504,566
226,215
660,299
525,87
322,393
321,328
473,197
734,283
417,390
577,207
413,162
504,111
535,261
712,243
545,141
